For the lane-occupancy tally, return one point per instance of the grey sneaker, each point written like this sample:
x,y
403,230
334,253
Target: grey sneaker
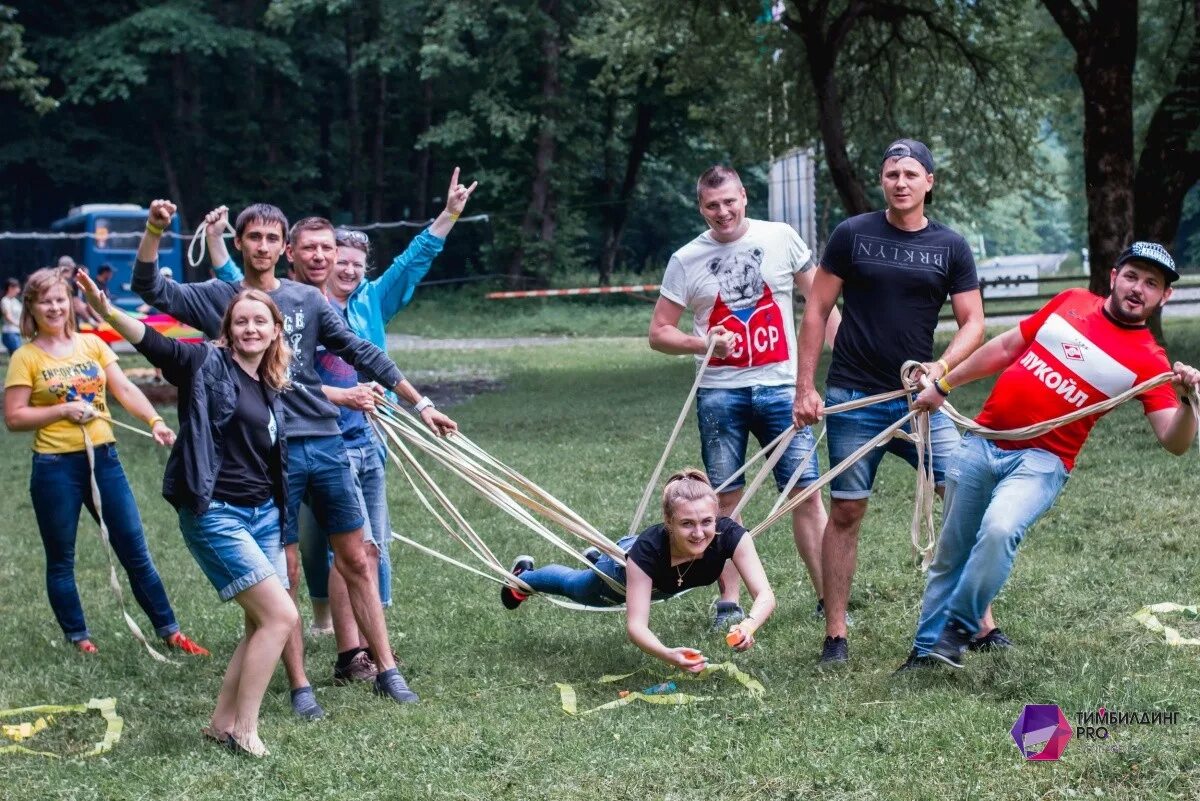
x,y
304,704
361,668
725,614
391,684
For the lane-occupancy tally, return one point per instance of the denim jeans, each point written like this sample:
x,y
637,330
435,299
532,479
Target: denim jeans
x,y
236,546
993,496
59,486
582,586
319,475
727,417
11,342
849,431
370,487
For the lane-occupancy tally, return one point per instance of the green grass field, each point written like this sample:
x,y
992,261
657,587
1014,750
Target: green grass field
x,y
587,421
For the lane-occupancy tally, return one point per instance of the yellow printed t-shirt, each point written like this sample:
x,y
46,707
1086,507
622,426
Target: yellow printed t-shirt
x,y
78,376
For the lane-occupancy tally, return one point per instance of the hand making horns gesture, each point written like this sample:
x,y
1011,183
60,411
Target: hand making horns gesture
x,y
457,194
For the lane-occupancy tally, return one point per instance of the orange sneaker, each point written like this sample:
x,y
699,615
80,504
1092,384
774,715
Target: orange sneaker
x,y
86,646
180,640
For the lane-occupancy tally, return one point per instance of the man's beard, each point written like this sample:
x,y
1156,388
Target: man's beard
x,y
1132,319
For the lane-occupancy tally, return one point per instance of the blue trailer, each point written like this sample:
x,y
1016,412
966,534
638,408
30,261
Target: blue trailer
x,y
111,235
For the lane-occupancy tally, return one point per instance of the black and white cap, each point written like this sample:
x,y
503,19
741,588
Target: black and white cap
x,y
1154,253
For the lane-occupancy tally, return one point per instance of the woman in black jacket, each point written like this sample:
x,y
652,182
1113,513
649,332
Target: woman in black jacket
x,y
225,477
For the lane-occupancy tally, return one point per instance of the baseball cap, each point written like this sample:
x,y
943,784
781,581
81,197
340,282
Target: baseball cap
x,y
1154,253
911,148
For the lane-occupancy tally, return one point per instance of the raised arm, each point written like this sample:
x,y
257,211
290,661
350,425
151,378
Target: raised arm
x,y
214,236
638,587
198,305
399,281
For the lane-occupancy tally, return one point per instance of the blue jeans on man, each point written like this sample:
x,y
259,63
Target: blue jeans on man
x,y
60,485
727,417
993,496
370,491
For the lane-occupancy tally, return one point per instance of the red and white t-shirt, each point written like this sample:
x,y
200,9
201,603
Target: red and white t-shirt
x,y
746,286
1076,356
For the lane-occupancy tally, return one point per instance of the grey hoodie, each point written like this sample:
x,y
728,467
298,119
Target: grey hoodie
x,y
307,319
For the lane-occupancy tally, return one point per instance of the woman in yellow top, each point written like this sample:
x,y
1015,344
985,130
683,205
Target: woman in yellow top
x,y
56,387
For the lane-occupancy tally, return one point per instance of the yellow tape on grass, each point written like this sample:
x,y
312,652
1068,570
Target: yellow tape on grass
x,y
1147,616
570,705
107,707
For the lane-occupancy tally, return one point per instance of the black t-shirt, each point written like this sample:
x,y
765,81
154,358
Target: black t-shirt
x,y
249,441
652,553
894,285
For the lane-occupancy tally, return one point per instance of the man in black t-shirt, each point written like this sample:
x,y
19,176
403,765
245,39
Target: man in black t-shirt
x,y
894,269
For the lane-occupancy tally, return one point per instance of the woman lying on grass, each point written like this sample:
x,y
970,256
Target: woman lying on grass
x,y
688,549
225,477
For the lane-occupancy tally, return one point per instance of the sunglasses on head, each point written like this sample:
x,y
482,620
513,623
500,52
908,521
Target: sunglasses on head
x,y
349,236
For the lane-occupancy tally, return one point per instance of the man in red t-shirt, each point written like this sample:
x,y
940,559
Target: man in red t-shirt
x,y
1077,351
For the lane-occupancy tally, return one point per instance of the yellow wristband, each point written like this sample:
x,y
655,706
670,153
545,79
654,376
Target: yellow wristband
x,y
944,385
945,366
154,229
454,217
155,420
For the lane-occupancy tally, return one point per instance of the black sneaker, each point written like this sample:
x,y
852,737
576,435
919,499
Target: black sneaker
x,y
593,554
994,640
915,662
835,651
951,646
508,596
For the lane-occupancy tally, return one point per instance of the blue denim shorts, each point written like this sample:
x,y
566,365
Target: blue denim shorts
x,y
728,416
235,546
319,475
849,431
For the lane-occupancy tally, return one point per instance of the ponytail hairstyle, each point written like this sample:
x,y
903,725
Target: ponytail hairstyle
x,y
273,369
689,484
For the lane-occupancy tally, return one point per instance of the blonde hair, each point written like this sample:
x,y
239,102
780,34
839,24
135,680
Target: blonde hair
x,y
274,365
37,285
689,484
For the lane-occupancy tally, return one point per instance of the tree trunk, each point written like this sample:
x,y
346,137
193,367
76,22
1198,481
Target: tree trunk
x,y
421,200
164,157
1105,43
377,149
618,214
540,212
354,126
822,43
1169,165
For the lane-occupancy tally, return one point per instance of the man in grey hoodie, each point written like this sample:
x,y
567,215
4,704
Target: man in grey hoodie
x,y
317,467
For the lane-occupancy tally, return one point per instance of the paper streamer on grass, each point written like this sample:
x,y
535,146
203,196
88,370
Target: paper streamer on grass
x,y
569,699
107,707
1147,616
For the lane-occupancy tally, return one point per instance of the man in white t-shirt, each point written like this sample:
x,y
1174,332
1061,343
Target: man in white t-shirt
x,y
737,279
